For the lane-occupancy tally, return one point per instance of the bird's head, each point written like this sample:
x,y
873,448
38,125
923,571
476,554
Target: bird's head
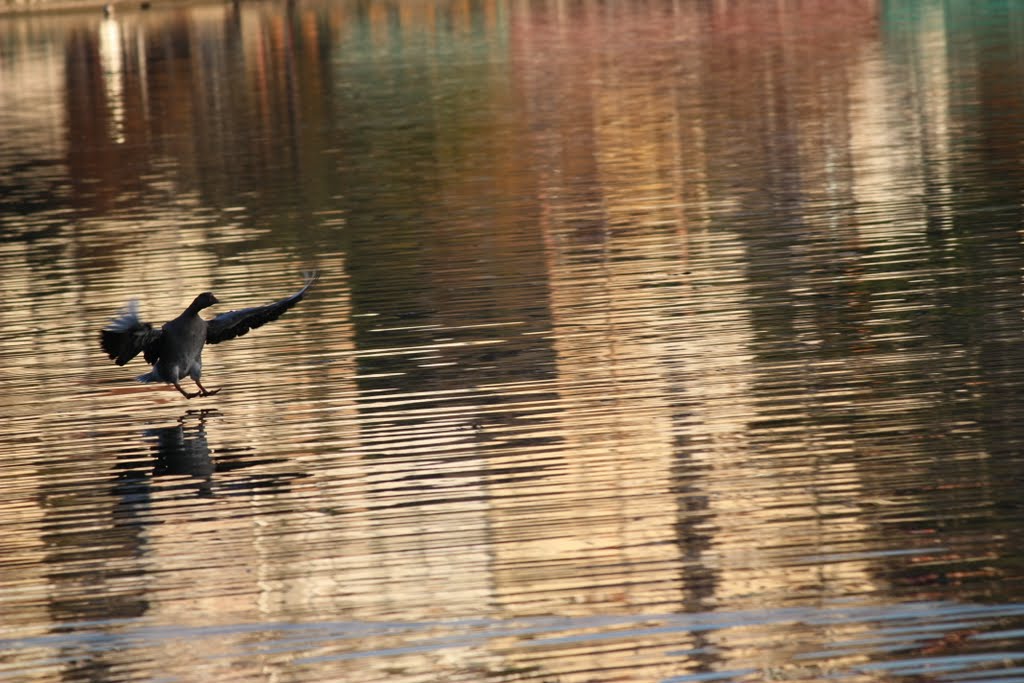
x,y
204,300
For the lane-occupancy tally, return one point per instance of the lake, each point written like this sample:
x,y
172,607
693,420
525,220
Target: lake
x,y
663,341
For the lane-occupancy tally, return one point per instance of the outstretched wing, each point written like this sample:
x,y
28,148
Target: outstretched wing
x,y
236,323
126,335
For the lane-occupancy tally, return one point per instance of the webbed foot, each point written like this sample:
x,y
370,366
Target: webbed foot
x,y
203,391
185,393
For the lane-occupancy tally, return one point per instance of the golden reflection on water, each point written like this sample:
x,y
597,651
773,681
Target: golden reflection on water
x,y
664,362
625,348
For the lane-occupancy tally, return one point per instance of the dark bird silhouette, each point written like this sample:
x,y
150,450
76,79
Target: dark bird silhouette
x,y
176,349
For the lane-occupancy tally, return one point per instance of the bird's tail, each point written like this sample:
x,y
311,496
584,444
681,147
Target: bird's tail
x,y
127,318
120,338
151,376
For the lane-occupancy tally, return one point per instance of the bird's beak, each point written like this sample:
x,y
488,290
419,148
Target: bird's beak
x,y
215,299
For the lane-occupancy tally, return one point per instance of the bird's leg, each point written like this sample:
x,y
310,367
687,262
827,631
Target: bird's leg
x,y
185,393
203,391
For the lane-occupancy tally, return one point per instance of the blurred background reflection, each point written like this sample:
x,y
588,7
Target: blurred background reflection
x,y
662,341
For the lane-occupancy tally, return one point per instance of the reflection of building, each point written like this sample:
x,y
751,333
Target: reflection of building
x,y
652,306
601,540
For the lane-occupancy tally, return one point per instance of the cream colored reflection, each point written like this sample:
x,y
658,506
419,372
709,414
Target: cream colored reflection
x,y
886,183
601,539
30,113
111,54
26,588
657,379
31,102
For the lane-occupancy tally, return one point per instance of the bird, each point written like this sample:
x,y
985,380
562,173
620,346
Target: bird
x,y
175,349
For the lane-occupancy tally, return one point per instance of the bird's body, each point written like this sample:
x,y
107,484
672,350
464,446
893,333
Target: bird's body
x,y
179,348
176,349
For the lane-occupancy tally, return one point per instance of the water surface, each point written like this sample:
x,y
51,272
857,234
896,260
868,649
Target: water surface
x,y
655,341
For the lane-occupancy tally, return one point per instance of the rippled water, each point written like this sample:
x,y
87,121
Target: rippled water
x,y
659,341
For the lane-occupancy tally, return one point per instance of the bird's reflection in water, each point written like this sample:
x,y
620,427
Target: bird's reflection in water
x,y
183,450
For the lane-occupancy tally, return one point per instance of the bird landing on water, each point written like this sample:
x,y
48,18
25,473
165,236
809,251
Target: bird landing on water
x,y
175,350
